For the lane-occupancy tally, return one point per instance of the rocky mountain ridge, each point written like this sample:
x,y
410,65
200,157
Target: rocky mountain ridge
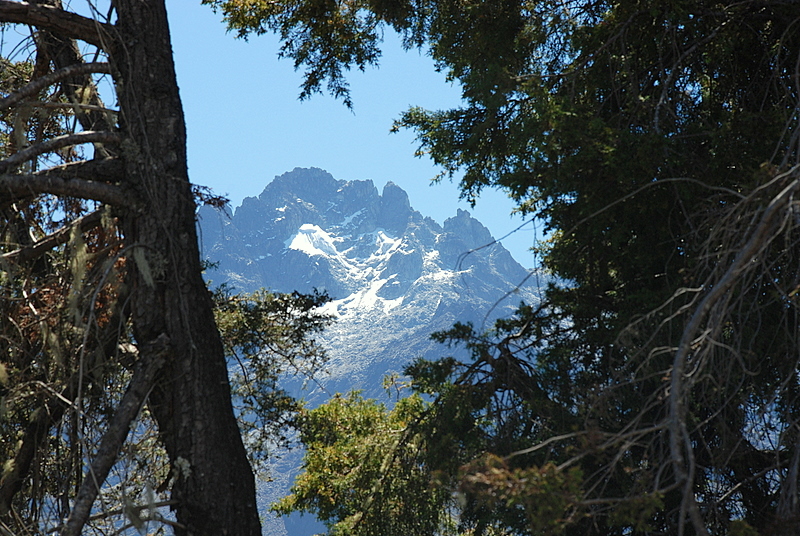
x,y
392,273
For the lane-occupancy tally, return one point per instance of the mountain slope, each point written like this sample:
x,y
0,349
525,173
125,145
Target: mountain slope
x,y
394,274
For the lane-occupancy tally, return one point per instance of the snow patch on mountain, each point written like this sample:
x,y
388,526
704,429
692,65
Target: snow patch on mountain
x,y
312,240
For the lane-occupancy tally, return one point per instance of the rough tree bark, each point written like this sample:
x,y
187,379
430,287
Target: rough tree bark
x,y
213,485
192,400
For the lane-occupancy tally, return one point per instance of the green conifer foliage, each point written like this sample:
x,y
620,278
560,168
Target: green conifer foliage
x,y
658,142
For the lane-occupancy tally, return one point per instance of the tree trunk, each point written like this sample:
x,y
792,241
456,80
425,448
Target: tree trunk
x,y
213,480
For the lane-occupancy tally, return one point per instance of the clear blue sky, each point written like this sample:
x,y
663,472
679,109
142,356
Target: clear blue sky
x,y
246,124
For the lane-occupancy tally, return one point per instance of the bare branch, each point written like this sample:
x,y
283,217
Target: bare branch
x,y
34,86
36,432
101,169
57,143
61,236
135,508
26,185
152,358
681,453
71,105
107,170
57,21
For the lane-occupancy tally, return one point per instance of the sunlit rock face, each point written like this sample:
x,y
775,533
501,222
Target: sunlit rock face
x,y
395,277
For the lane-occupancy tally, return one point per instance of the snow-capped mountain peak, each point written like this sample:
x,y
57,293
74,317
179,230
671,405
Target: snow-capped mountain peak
x,y
394,275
